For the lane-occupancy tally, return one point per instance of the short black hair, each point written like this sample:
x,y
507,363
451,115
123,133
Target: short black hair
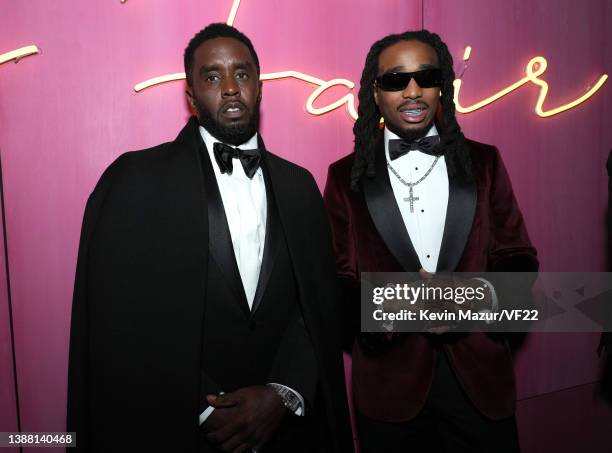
x,y
215,30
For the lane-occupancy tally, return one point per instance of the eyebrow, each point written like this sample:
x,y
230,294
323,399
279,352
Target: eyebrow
x,y
215,67
421,68
245,65
208,67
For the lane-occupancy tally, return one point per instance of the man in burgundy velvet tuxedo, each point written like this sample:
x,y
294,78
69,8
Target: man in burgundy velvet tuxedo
x,y
416,194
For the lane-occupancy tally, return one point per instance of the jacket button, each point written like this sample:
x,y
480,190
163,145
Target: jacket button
x,y
253,325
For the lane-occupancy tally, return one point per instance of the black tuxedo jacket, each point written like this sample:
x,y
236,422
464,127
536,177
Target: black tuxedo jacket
x,y
254,345
134,380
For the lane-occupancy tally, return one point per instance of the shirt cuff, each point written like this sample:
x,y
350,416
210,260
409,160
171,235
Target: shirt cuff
x,y
301,410
209,410
204,415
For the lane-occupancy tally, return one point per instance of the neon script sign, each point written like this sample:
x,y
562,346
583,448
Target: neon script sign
x,y
18,54
322,85
534,69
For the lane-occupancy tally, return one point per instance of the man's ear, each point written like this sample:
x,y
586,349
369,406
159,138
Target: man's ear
x,y
260,90
375,91
191,101
189,95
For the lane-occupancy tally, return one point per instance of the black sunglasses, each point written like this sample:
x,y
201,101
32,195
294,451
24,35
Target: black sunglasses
x,y
398,81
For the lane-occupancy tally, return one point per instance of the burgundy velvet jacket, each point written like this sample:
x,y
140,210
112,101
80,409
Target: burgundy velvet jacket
x,y
484,231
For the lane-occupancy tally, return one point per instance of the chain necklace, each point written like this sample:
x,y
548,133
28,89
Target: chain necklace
x,y
411,198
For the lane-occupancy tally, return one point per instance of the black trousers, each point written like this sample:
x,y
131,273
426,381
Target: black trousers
x,y
448,423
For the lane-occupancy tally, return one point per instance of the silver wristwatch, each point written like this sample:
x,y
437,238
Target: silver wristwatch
x,y
290,399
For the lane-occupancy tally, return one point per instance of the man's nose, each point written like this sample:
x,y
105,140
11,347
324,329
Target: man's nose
x,y
412,90
230,87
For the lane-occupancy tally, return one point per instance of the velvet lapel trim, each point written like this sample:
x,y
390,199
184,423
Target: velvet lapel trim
x,y
386,215
459,219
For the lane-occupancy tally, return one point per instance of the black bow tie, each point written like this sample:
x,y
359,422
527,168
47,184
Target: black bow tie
x,y
427,145
249,158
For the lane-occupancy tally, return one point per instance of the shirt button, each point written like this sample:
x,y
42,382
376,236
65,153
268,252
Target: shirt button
x,y
428,256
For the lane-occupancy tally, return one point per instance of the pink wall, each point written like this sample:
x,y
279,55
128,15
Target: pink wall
x,y
557,164
67,113
8,407
552,423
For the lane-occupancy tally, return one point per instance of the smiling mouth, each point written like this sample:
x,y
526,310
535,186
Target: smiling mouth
x,y
413,113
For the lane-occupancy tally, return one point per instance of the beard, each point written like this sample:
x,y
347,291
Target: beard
x,y
410,135
233,134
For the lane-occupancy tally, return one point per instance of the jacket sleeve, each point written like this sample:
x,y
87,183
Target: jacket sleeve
x,y
79,397
337,208
78,363
295,364
512,258
510,248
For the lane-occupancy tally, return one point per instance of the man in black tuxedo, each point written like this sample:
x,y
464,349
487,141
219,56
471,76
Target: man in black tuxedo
x,y
204,314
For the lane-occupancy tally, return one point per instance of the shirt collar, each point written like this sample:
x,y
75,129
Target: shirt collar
x,y
209,141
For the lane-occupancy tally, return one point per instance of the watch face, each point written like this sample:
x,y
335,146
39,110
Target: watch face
x,y
290,399
292,404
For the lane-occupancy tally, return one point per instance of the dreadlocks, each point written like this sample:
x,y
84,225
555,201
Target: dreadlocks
x,y
367,127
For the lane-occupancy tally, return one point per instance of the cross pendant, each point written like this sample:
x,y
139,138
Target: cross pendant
x,y
411,198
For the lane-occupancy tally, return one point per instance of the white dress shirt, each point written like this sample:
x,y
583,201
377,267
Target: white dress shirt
x,y
245,205
425,225
244,201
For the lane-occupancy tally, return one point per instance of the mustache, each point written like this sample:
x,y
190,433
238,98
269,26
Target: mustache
x,y
413,104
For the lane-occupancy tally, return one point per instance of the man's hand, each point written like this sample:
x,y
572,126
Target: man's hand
x,y
453,281
244,419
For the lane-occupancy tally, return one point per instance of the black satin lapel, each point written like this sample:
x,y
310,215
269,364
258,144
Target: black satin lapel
x,y
459,218
386,214
272,241
219,237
